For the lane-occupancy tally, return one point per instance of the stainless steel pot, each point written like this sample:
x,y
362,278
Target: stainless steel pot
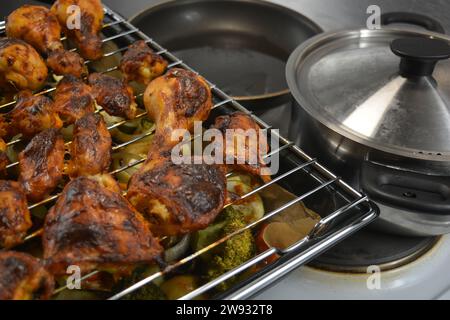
x,y
375,104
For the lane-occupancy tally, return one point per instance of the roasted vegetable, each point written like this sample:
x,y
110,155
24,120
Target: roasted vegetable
x,y
150,291
230,254
251,207
124,159
131,129
178,249
179,286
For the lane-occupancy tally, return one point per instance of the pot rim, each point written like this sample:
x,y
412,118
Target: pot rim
x,y
304,49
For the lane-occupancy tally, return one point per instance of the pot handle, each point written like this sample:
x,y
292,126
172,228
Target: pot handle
x,y
419,56
412,18
403,189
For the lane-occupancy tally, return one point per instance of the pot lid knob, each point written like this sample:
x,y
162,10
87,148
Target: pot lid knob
x,y
419,55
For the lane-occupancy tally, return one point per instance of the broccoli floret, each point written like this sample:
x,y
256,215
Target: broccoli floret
x,y
233,252
150,291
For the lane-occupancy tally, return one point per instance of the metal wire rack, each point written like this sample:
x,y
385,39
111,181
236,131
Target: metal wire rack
x,y
350,211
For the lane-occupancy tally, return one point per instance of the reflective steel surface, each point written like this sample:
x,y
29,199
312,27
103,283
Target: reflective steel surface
x,y
350,82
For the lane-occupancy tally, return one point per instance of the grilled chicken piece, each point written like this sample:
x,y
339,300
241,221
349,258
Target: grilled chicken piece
x,y
41,164
87,36
40,28
73,99
64,62
94,227
245,144
4,160
91,147
177,198
23,277
141,64
4,125
15,218
176,100
114,95
35,25
33,114
21,67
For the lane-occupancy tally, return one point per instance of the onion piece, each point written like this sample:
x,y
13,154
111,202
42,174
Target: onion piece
x,y
178,250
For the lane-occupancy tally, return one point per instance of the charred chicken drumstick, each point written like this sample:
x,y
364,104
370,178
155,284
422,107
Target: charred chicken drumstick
x,y
23,277
21,67
245,145
177,198
141,64
87,35
114,95
90,148
15,218
33,114
176,100
41,164
40,28
73,99
94,227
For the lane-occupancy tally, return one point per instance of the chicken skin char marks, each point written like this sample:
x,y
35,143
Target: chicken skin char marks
x,y
15,218
37,26
41,164
23,277
176,100
33,114
73,99
94,227
91,147
64,62
240,149
21,67
40,28
4,160
87,37
4,125
114,95
141,64
177,198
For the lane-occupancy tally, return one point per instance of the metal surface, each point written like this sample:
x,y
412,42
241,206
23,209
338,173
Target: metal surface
x,y
350,82
370,248
329,14
362,118
424,279
350,210
231,42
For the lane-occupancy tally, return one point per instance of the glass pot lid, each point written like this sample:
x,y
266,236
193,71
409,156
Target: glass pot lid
x,y
388,89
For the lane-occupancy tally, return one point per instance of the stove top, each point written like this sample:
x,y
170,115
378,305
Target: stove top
x,y
370,248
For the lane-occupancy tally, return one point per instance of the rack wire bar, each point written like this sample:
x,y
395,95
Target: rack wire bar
x,y
320,246
289,265
222,240
135,163
357,212
263,256
87,62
